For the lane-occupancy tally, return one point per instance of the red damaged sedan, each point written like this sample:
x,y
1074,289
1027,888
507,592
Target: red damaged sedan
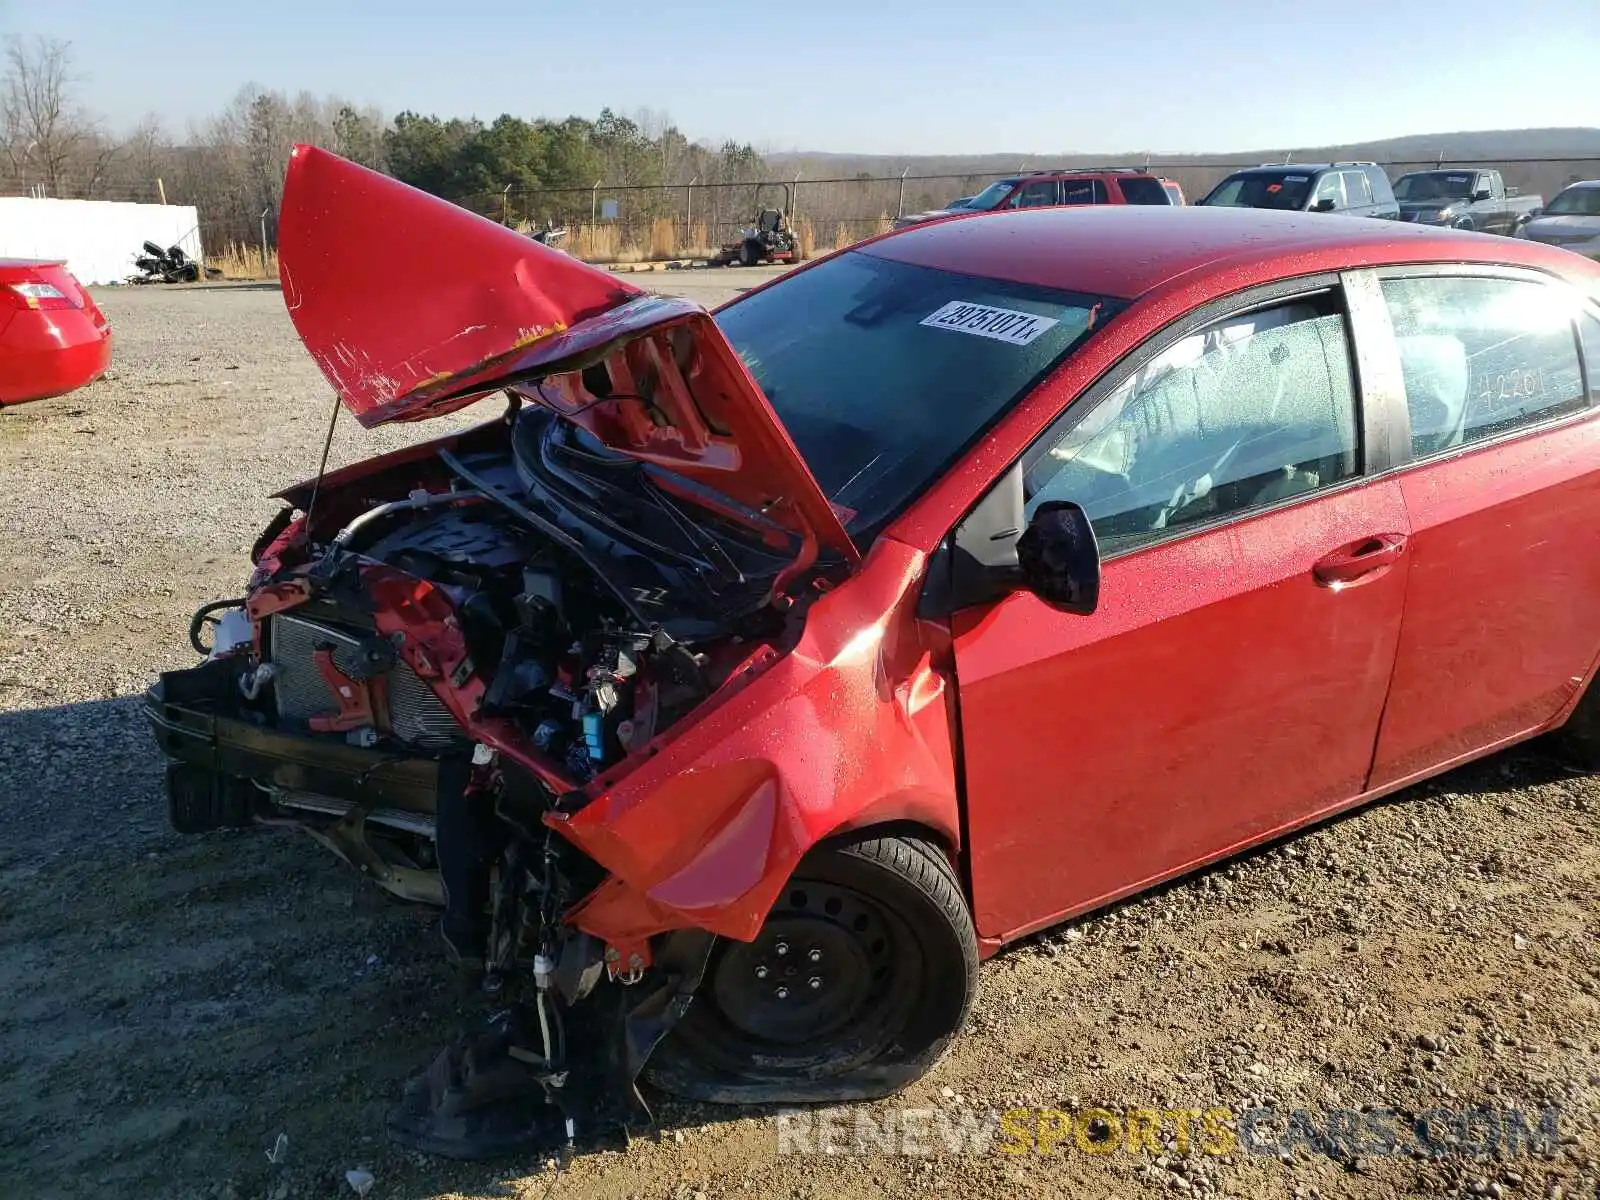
x,y
53,337
751,677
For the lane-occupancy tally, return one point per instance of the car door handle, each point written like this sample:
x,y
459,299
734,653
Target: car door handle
x,y
1358,559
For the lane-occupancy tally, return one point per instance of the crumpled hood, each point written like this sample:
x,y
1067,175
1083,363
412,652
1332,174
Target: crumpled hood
x,y
413,307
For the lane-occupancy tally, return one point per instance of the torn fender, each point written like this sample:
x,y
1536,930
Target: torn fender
x,y
846,730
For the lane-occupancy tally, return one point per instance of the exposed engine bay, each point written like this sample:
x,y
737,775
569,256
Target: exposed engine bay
x,y
591,612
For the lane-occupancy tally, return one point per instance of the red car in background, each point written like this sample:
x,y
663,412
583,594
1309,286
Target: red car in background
x,y
1059,188
755,675
53,337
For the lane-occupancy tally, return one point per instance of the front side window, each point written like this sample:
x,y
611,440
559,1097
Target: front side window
x,y
1248,412
1356,189
1040,194
1330,187
883,372
1482,356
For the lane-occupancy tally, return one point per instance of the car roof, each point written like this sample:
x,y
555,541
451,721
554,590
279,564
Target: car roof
x,y
1581,183
1125,251
1297,168
27,264
1077,173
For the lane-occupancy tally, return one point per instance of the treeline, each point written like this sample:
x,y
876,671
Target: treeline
x,y
231,165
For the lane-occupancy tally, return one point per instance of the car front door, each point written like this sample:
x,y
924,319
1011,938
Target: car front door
x,y
1503,612
1231,681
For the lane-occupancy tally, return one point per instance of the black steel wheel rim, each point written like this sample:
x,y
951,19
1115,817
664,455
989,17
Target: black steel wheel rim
x,y
823,966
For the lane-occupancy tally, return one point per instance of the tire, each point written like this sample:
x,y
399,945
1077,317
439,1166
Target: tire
x,y
749,254
864,971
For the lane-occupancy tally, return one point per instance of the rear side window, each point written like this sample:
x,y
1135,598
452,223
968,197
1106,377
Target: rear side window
x,y
1136,190
1248,412
1382,189
1482,357
1083,191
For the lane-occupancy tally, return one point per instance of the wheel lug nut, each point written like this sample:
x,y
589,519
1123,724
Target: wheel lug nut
x,y
761,972
815,981
783,993
815,956
781,948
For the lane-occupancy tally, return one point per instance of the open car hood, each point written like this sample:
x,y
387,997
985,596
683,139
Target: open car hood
x,y
413,307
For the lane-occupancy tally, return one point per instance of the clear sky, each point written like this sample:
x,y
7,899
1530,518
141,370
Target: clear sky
x,y
935,76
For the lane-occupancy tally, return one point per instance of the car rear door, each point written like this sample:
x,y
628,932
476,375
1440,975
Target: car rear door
x,y
1502,489
1231,682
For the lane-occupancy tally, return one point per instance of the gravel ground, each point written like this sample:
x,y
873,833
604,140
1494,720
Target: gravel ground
x,y
170,1008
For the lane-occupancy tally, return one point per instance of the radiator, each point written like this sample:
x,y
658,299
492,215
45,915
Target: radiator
x,y
416,715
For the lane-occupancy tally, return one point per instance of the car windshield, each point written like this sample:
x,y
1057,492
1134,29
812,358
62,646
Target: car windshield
x,y
1575,202
1434,185
990,197
1262,189
884,373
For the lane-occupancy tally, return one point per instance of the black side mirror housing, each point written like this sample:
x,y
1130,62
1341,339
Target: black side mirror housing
x,y
1323,205
1481,194
1059,558
992,554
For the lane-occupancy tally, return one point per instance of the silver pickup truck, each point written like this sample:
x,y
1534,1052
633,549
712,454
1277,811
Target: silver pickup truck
x,y
1464,199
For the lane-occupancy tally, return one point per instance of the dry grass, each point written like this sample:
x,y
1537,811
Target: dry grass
x,y
596,243
885,224
842,237
699,246
244,262
807,236
663,238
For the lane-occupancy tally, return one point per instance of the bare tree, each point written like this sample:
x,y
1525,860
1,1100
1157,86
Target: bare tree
x,y
45,132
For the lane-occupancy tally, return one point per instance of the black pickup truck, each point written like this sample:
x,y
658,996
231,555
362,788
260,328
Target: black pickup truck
x,y
1469,199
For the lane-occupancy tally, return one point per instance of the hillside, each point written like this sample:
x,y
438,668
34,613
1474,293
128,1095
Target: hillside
x,y
1410,150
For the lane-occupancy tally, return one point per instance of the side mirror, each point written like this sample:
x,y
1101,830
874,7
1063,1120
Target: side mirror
x,y
1481,194
1326,204
1059,558
1536,211
990,555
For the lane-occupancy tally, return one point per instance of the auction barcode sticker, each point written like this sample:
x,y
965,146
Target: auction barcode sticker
x,y
1001,324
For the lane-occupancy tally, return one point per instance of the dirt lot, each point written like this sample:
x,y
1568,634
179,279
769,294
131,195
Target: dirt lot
x,y
169,1007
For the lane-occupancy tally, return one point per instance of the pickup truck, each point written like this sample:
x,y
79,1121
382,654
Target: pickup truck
x,y
1470,199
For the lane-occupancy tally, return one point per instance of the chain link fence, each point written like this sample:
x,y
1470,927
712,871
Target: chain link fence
x,y
641,222
623,222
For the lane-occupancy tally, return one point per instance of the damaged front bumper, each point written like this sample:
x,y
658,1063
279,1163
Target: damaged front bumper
x,y
227,768
574,1027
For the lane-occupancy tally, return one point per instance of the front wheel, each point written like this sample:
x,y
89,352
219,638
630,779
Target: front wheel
x,y
864,971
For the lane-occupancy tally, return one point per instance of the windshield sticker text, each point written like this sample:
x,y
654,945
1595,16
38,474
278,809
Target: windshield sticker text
x,y
1001,324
